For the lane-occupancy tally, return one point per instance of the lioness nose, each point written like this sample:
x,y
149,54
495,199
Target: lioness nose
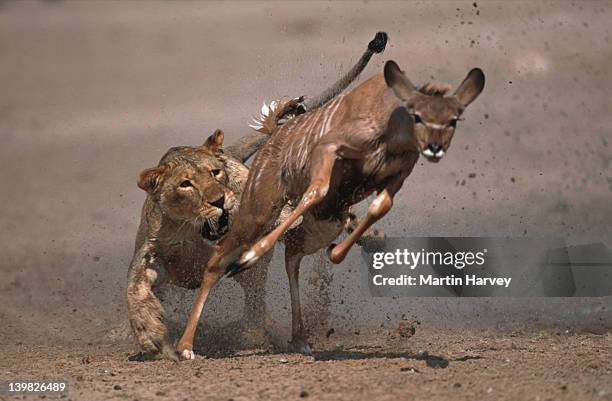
x,y
434,147
219,202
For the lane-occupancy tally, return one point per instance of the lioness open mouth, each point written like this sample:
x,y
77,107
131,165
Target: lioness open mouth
x,y
213,232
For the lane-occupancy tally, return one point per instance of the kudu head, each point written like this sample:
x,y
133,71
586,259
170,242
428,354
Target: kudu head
x,y
434,115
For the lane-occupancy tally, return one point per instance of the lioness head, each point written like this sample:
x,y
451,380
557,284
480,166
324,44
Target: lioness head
x,y
190,184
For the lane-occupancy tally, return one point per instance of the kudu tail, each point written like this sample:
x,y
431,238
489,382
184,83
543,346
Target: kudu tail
x,y
274,114
376,45
265,124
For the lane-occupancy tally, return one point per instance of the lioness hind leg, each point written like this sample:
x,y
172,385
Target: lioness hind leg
x,y
145,311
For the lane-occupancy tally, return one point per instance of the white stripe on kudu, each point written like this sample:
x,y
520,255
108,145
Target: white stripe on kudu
x,y
331,110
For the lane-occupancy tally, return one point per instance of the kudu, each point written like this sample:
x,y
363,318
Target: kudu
x,y
367,140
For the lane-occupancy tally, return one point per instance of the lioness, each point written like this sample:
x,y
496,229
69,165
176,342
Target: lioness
x,y
192,196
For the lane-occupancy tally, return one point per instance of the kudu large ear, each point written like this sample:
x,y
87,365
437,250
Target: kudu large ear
x,y
398,81
215,141
150,178
471,87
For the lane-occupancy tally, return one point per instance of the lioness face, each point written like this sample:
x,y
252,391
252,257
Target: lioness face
x,y
197,193
192,187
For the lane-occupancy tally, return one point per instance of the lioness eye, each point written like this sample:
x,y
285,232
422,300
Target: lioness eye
x,y
417,119
215,172
186,184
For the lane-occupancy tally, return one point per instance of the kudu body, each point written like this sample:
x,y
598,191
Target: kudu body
x,y
366,141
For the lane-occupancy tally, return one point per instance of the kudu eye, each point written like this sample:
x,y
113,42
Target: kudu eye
x,y
417,119
186,184
215,172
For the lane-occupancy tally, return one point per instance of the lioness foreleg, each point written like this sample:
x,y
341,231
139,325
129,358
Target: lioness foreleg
x,y
145,310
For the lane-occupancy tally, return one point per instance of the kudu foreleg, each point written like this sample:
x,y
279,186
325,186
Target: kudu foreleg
x,y
323,159
378,208
212,273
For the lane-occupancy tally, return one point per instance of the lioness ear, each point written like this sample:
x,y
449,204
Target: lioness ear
x,y
150,178
215,141
471,87
398,81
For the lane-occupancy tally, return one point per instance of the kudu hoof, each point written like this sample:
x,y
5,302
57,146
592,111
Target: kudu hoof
x,y
186,355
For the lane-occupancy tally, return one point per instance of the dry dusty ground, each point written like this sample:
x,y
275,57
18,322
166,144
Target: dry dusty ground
x,y
94,92
458,365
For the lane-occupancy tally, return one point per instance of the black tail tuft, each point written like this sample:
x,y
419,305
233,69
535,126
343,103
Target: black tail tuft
x,y
378,44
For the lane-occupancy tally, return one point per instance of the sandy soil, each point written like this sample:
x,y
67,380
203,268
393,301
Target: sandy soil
x,y
94,92
458,365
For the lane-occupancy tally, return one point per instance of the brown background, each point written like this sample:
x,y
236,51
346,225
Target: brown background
x,y
93,92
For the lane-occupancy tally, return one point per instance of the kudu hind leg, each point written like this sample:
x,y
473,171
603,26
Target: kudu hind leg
x,y
323,158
